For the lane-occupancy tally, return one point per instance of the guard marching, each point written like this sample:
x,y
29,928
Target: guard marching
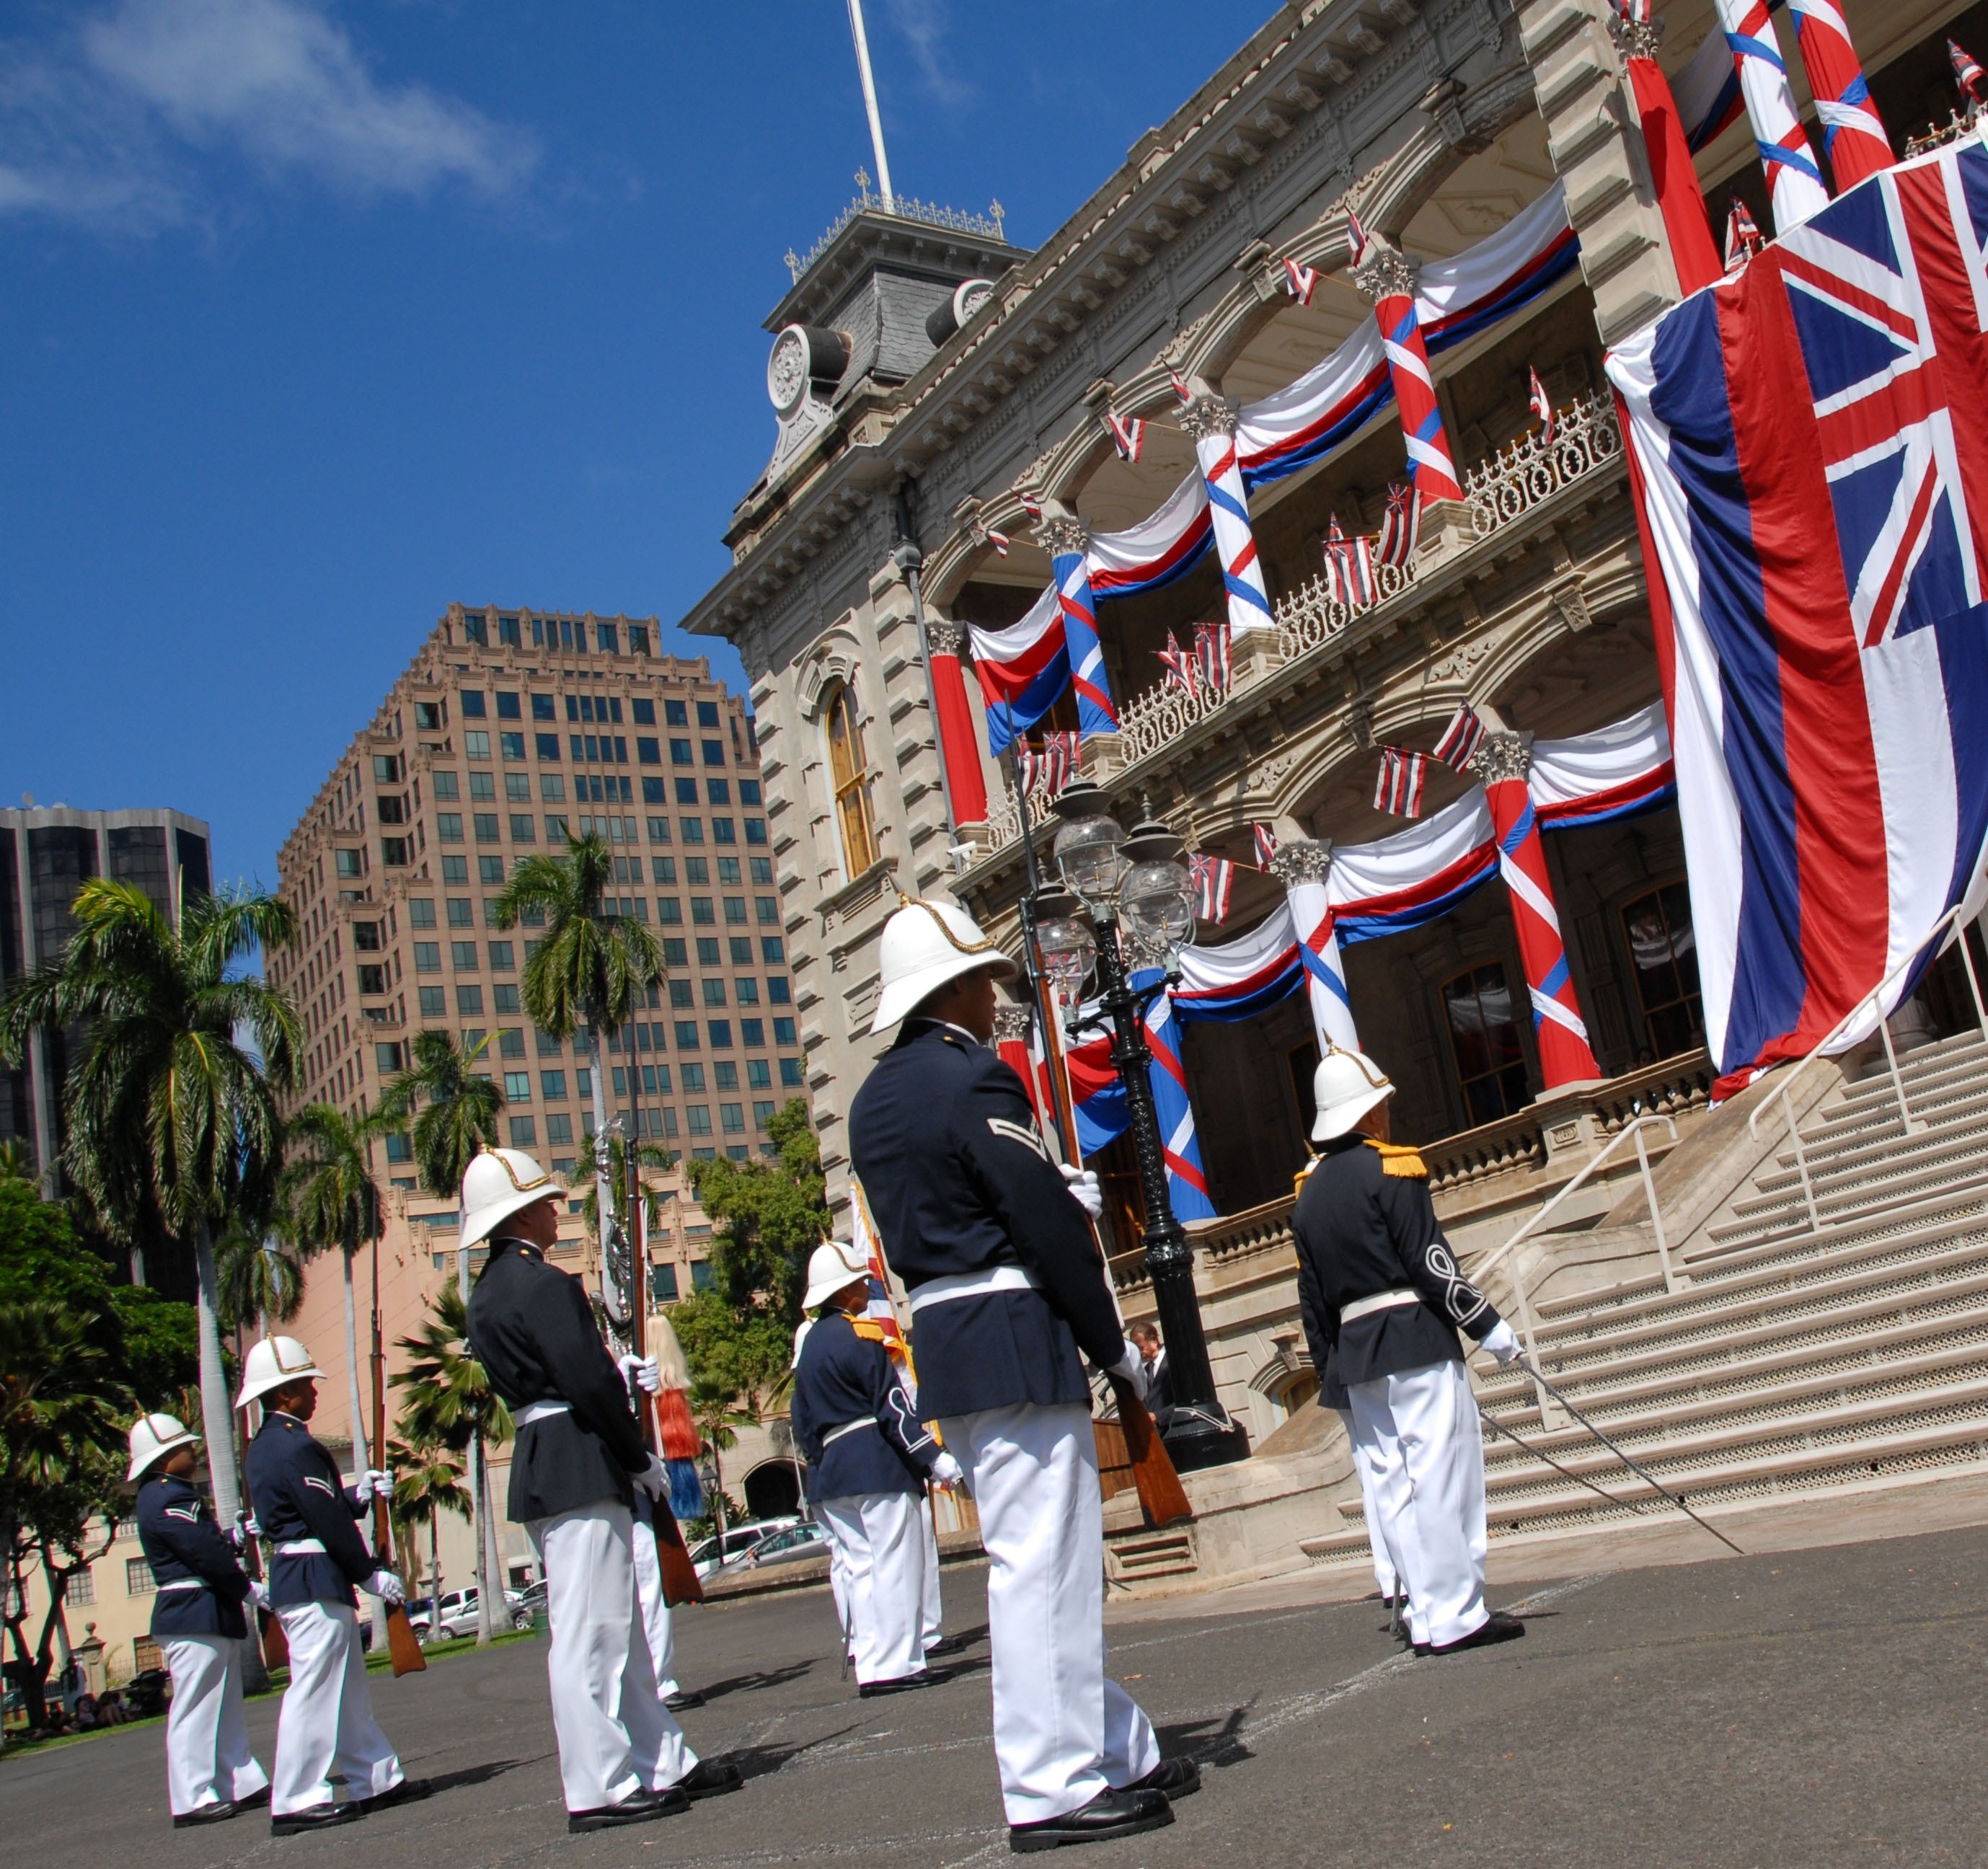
x,y
578,1460
1383,1299
198,1622
1007,1293
869,1457
326,1728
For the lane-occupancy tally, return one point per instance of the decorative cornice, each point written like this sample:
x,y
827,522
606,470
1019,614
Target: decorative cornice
x,y
1208,415
1384,274
1011,1022
1635,38
1301,860
1059,536
945,638
1503,756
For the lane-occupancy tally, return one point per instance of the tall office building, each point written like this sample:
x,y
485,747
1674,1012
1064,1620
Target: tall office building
x,y
47,853
508,728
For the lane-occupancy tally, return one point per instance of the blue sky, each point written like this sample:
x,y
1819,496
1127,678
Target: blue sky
x,y
317,314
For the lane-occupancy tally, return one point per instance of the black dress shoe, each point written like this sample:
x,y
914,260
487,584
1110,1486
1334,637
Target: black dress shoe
x,y
904,1684
946,1645
254,1801
1111,1813
1178,1778
637,1807
710,1778
681,1701
1496,1627
408,1791
315,1817
206,1813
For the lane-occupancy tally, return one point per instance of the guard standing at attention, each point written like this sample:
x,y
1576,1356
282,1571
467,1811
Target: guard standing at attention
x,y
869,1457
326,1727
1383,1299
578,1459
991,1240
198,1622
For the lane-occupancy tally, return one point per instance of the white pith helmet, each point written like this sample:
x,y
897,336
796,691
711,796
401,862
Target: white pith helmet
x,y
272,1362
832,1267
1344,1087
155,1436
925,944
499,1183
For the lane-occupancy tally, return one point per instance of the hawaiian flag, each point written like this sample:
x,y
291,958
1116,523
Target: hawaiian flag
x,y
1049,766
1211,654
1402,526
1214,880
1267,845
1128,435
1398,787
1742,235
1357,241
1968,75
1349,568
1031,504
1180,386
1461,738
1811,473
1541,404
1303,281
998,540
1178,664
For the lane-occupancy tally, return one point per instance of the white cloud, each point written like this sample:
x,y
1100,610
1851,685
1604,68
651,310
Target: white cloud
x,y
105,126
922,24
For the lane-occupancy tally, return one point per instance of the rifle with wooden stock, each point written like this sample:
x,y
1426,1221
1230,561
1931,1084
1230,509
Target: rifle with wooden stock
x,y
402,1643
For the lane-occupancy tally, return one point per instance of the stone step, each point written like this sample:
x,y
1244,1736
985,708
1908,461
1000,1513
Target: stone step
x,y
1853,1154
1959,1148
1784,1216
1158,1554
1905,1171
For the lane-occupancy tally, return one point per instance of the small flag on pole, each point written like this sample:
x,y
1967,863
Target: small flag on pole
x,y
1211,654
1637,12
1267,845
1542,407
1180,387
1050,766
1128,435
1179,665
1357,241
1743,236
1303,281
1967,74
1349,568
1402,526
1031,504
1461,738
1213,878
998,540
1398,789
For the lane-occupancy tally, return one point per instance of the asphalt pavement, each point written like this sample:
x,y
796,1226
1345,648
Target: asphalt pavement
x,y
1805,1708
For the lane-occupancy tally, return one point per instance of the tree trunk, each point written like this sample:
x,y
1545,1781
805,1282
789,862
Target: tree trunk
x,y
217,1417
476,1496
434,1572
361,1458
616,1299
493,1553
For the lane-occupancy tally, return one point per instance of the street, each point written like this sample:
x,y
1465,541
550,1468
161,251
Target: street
x,y
1800,1708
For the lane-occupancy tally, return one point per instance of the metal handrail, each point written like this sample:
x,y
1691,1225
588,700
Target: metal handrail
x,y
1633,1130
1958,914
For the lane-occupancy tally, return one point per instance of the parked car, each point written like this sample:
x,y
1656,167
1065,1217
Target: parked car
x,y
707,1556
797,1541
458,1615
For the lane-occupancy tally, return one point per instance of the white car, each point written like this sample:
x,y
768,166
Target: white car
x,y
458,1615
707,1556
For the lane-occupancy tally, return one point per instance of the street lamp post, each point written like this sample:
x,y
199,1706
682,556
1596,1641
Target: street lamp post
x,y
1138,886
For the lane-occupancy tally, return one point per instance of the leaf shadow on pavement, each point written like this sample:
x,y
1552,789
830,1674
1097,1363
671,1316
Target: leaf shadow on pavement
x,y
1217,1743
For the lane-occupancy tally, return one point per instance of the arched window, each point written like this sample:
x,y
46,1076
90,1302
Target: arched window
x,y
1657,928
849,774
1490,1066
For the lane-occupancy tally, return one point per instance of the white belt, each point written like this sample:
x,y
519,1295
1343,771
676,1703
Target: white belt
x,y
848,1427
971,1284
302,1547
183,1583
539,1411
1381,1301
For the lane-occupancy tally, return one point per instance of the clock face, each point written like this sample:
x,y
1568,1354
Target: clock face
x,y
787,370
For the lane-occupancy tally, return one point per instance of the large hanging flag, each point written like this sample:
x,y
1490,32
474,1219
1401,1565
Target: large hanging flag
x,y
1794,181
1397,789
1852,133
1461,738
1022,669
1812,475
1401,527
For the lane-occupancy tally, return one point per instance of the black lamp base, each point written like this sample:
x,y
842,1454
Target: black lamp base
x,y
1195,1441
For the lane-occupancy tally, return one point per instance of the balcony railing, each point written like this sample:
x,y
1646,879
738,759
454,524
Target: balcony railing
x,y
955,220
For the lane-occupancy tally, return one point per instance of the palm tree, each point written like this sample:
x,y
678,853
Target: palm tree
x,y
428,1481
587,967
648,1155
169,1113
329,1199
449,1110
262,1282
714,1409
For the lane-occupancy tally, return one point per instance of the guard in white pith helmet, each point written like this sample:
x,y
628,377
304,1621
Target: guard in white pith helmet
x,y
327,1732
1007,1293
578,1459
198,1622
1383,1298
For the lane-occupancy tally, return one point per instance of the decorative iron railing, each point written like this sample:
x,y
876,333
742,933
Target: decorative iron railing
x,y
1520,476
958,220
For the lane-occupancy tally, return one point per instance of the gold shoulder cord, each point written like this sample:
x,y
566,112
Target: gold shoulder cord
x,y
1401,1160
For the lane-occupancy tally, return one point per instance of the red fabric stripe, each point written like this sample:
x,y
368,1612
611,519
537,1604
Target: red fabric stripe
x,y
1563,1057
1875,419
956,746
1835,287
1693,251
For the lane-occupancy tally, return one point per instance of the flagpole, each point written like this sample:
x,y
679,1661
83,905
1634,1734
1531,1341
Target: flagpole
x,y
869,104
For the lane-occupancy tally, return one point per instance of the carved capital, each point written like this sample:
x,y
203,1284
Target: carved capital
x,y
1300,860
1010,1022
1502,756
1635,38
945,638
1060,535
1385,273
1208,415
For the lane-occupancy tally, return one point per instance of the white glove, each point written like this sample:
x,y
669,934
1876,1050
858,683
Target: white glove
x,y
655,1478
1084,1184
237,1534
258,1592
387,1587
643,1373
1502,1342
373,1485
1132,1367
948,1471
249,1527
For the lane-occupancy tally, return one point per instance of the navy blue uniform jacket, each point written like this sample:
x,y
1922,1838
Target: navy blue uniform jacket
x,y
183,1544
844,1376
299,1492
960,1180
532,1329
1365,1224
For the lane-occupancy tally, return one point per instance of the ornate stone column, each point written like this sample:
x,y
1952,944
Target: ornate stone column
x,y
1565,1057
1302,867
1067,541
966,780
1210,424
1388,281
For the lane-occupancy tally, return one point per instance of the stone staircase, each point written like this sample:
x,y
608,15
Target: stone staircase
x,y
1790,1362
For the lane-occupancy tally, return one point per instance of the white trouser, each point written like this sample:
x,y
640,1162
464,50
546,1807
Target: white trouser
x,y
207,1759
327,1725
883,1550
929,1629
656,1623
1375,1486
1422,1426
1064,1730
838,1587
615,1735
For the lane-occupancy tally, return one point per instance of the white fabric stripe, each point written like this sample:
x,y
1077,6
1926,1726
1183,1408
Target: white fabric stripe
x,y
539,1411
848,1427
1528,891
1563,771
971,1284
1361,871
1139,546
1380,1301
1551,1008
1001,647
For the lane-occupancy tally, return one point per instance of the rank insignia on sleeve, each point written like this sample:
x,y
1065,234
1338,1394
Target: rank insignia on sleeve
x,y
1398,1159
1015,1133
323,1486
